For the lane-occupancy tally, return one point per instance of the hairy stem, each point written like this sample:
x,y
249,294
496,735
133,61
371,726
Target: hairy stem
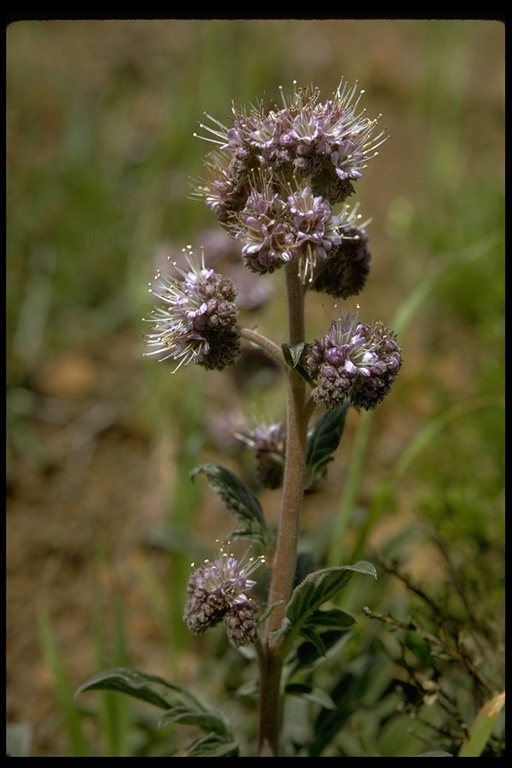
x,y
283,570
265,344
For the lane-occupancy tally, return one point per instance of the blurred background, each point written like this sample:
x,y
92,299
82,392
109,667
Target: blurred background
x,y
102,518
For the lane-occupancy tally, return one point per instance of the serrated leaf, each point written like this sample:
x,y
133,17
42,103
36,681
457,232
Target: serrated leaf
x,y
213,746
311,693
482,727
237,497
323,440
312,592
149,688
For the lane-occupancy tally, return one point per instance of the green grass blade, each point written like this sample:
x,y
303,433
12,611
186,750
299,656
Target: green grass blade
x,y
482,727
79,745
114,713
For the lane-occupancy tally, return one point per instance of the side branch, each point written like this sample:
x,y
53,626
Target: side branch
x,y
265,344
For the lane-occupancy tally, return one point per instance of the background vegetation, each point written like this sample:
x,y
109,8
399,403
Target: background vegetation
x,y
102,518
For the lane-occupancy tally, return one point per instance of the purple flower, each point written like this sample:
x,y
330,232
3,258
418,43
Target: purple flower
x,y
195,321
330,143
224,256
355,361
281,223
218,591
264,230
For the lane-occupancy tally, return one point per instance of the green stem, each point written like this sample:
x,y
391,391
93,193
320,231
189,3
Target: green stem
x,y
283,567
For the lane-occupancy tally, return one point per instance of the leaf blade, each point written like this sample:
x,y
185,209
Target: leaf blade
x,y
323,440
149,688
312,592
237,497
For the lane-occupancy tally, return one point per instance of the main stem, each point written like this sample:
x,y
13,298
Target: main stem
x,y
283,570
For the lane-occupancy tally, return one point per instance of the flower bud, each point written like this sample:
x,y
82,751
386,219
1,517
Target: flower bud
x,y
355,361
195,321
217,590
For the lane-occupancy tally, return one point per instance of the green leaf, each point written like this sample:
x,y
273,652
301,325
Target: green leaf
x,y
213,746
419,647
332,618
435,753
207,720
482,727
312,592
313,641
323,440
150,688
293,355
311,693
316,647
238,499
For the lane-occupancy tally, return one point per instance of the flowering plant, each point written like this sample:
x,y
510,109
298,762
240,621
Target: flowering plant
x,y
278,180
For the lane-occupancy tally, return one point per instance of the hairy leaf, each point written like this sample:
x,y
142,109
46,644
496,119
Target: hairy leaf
x,y
316,647
314,644
150,688
331,618
312,592
293,354
207,720
237,497
323,440
213,746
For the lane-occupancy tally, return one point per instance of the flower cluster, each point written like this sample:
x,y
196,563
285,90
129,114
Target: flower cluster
x,y
278,182
196,319
329,142
217,591
281,223
269,443
224,257
344,273
353,360
277,173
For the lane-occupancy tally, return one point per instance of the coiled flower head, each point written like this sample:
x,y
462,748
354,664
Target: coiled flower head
x,y
353,360
344,273
276,173
195,321
330,142
283,222
218,591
